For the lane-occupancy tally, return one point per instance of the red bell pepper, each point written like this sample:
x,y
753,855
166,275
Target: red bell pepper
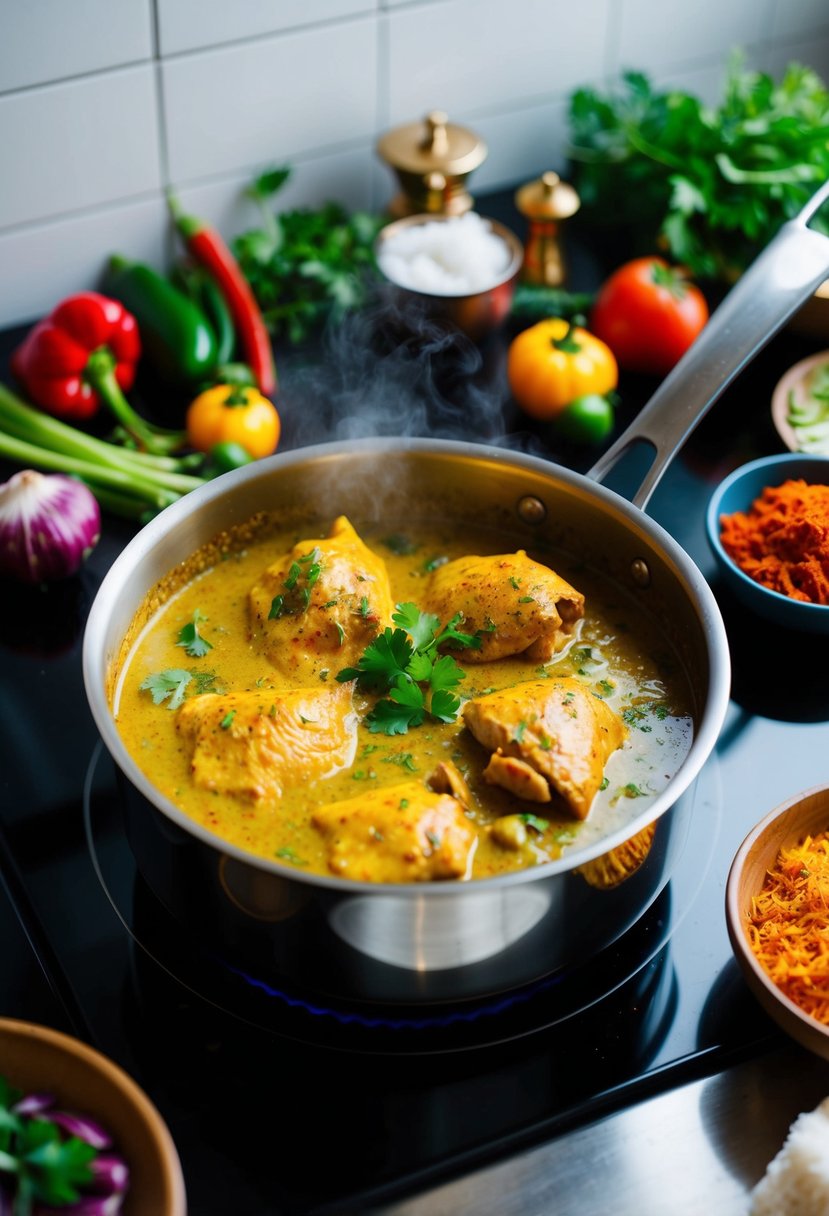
x,y
85,353
210,251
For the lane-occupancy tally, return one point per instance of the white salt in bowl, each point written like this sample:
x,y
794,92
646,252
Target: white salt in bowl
x,y
461,269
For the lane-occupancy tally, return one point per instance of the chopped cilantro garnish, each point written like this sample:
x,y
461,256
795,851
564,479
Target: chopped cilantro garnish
x,y
288,854
227,720
399,661
533,821
189,637
515,582
404,759
170,684
605,783
434,563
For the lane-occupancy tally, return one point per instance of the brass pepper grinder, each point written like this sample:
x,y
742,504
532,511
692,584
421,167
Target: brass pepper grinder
x,y
546,202
432,161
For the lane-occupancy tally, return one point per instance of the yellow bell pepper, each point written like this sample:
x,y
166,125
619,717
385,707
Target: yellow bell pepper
x,y
553,362
233,413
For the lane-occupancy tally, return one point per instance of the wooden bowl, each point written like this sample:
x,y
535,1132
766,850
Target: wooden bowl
x,y
804,814
39,1060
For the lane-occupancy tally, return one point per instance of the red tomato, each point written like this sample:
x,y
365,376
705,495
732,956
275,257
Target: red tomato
x,y
648,314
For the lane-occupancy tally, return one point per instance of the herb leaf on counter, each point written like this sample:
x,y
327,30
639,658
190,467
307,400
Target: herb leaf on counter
x,y
712,183
305,265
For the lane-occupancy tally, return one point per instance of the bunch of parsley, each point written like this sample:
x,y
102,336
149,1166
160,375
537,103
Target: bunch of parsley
x,y
405,664
713,185
305,265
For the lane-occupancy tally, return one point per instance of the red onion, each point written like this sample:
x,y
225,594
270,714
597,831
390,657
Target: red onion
x,y
49,524
82,1126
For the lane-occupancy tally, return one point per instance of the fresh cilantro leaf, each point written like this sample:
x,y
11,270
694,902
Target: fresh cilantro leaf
x,y
446,673
170,684
444,706
451,633
191,639
227,720
421,626
420,667
382,662
394,717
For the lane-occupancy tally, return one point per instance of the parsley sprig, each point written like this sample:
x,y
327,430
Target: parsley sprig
x,y
405,664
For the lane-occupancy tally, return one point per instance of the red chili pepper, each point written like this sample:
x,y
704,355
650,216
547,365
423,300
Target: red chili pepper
x,y
208,248
85,353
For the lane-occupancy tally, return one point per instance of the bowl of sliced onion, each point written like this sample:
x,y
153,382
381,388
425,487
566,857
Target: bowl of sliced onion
x,y
776,914
81,1138
458,269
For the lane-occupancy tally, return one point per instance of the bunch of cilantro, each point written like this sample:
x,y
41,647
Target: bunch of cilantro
x,y
711,184
405,664
305,265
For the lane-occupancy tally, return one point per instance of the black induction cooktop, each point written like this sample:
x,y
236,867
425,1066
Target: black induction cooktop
x,y
281,1104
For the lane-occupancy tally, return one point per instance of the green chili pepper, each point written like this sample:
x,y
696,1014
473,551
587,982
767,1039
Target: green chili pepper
x,y
200,285
176,336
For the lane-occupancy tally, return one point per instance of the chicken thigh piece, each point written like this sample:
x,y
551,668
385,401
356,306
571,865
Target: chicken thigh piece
x,y
255,744
546,736
400,833
320,605
514,604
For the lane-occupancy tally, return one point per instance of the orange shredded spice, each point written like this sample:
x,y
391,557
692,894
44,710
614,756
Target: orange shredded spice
x,y
788,925
782,541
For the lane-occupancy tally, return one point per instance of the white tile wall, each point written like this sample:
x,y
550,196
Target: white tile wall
x,y
186,25
82,143
270,99
104,103
44,40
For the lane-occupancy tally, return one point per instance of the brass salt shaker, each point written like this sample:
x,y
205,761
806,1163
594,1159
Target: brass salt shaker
x,y
546,202
432,160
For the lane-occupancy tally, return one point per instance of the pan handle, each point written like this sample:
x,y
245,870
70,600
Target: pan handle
x,y
786,273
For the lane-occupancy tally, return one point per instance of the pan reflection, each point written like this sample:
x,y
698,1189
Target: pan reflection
x,y
445,932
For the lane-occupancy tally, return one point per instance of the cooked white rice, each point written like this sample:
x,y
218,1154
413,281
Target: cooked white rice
x,y
455,257
796,1182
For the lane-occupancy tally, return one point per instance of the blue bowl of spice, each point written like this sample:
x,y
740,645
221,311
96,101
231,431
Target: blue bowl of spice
x,y
768,527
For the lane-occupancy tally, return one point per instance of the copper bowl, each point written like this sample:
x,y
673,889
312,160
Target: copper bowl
x,y
476,314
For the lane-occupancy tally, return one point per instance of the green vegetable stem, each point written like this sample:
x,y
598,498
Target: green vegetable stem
x,y
126,482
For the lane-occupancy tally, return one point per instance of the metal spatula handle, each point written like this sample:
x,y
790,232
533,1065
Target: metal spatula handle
x,y
777,283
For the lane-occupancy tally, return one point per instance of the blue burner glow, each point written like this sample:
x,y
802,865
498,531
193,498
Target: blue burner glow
x,y
452,1017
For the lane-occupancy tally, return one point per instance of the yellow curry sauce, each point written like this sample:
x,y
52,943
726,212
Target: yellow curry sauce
x,y
618,655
